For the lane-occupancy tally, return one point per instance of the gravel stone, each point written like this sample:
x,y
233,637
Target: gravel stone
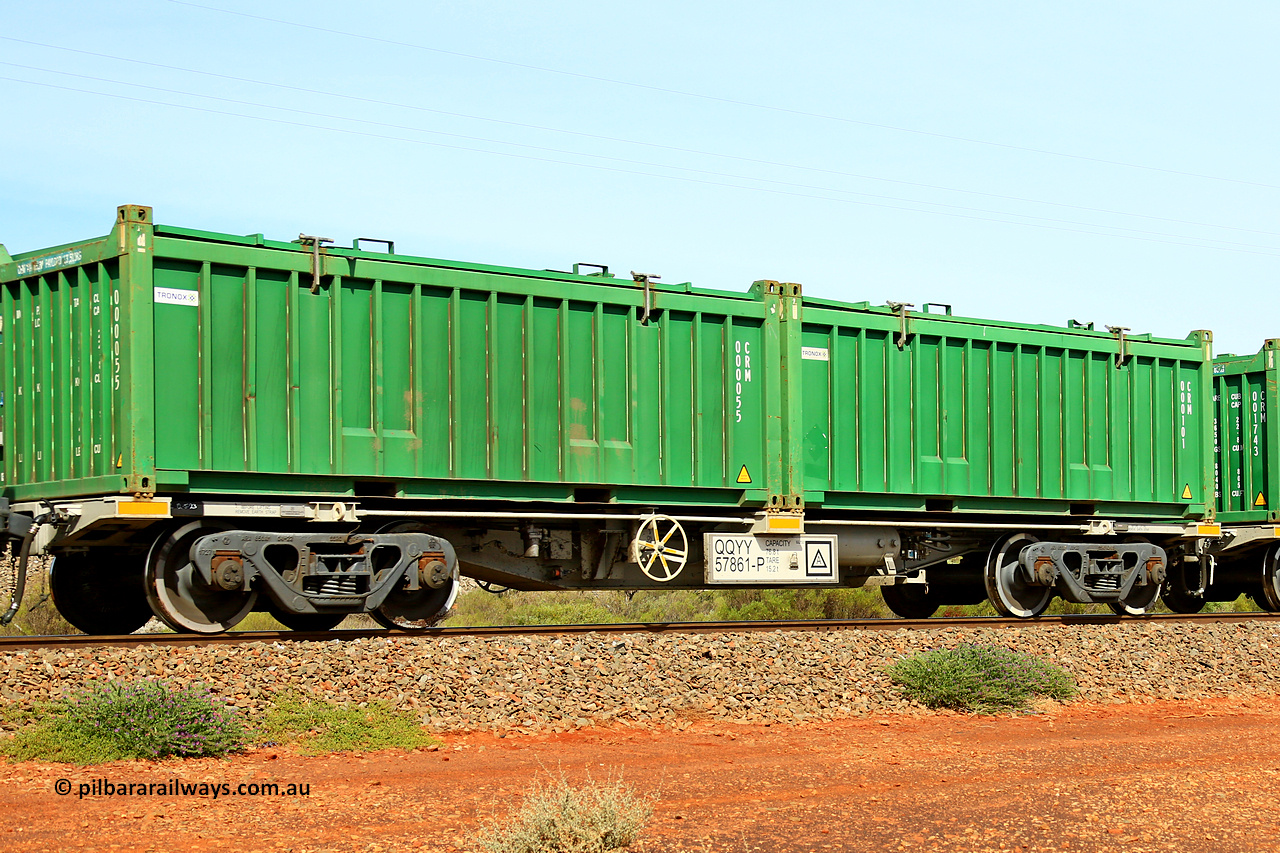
x,y
532,683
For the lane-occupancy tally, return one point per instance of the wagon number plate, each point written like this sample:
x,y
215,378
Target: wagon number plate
x,y
742,558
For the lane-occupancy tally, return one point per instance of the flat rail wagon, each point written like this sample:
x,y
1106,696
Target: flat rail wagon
x,y
1245,559
199,424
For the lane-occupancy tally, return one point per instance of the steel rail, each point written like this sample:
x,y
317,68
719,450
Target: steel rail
x,y
932,624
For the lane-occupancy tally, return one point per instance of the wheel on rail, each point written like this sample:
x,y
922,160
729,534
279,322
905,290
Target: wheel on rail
x,y
99,595
1011,594
660,547
416,609
1141,600
179,597
1176,593
305,621
1269,599
910,600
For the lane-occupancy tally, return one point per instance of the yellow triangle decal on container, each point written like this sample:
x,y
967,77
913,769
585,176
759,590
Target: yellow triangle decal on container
x,y
1186,492
743,476
1260,500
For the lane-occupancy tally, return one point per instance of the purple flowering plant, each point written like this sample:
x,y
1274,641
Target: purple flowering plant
x,y
154,719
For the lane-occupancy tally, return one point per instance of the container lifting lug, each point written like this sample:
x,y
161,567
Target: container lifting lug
x,y
900,308
645,279
390,244
316,243
1122,353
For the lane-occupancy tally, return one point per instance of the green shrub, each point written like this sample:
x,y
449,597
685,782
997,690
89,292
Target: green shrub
x,y
1243,604
677,605
771,604
979,678
317,726
535,608
147,719
557,817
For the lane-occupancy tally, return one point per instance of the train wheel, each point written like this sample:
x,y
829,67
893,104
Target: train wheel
x,y
305,621
177,594
1269,600
416,610
1176,593
909,600
1181,601
98,597
1142,599
1009,592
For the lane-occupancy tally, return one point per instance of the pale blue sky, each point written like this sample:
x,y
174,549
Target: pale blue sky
x,y
985,154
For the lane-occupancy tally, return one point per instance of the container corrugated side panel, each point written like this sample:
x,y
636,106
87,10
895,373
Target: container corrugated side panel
x,y
1000,418
62,378
447,381
1247,484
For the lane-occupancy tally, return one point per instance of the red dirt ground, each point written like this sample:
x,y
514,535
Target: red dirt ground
x,y
1175,776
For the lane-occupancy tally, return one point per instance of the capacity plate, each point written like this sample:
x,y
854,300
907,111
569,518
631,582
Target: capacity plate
x,y
741,558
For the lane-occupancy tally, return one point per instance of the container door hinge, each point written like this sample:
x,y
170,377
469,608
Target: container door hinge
x,y
1122,353
900,308
316,244
646,279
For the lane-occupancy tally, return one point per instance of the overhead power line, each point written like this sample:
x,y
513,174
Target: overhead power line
x,y
621,140
1178,240
717,98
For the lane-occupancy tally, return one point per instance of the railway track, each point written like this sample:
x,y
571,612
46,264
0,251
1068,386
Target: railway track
x,y
243,637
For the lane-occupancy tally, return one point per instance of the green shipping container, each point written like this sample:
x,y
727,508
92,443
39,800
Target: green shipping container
x,y
170,360
920,412
1245,477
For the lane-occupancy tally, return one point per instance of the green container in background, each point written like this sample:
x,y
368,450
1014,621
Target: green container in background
x,y
931,412
1244,391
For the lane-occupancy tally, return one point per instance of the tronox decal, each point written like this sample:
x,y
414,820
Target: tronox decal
x,y
170,296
